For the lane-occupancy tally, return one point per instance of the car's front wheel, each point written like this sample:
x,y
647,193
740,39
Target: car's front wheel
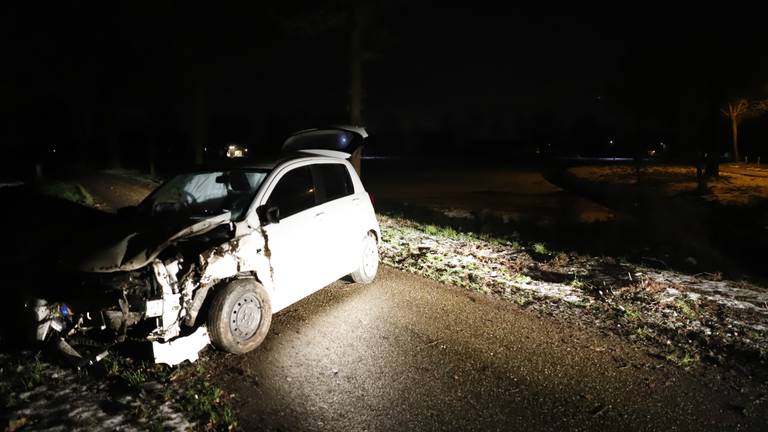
x,y
369,261
239,316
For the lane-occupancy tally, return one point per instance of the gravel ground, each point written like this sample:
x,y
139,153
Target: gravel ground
x,y
407,353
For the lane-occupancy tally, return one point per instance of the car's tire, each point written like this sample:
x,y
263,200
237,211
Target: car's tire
x,y
369,261
239,316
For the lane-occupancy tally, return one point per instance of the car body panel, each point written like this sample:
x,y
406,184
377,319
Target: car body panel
x,y
295,258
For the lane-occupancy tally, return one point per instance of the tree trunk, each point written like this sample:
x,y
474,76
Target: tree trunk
x,y
152,153
114,141
356,72
712,169
735,137
356,83
201,122
355,159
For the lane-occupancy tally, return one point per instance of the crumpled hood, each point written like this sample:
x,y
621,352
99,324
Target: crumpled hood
x,y
132,246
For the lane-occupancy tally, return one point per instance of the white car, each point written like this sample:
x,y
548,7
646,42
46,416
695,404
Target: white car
x,y
213,253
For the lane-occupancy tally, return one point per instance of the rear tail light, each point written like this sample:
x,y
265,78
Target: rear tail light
x,y
373,200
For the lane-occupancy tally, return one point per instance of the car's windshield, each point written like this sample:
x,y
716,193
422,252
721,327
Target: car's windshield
x,y
205,194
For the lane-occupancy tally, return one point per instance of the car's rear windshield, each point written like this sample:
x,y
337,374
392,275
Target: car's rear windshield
x,y
205,194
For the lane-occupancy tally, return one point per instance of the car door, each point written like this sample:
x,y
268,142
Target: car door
x,y
294,243
337,208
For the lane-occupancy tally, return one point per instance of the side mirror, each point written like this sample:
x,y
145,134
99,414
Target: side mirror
x,y
268,215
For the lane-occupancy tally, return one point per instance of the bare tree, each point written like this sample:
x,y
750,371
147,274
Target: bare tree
x,y
356,80
354,18
760,107
735,111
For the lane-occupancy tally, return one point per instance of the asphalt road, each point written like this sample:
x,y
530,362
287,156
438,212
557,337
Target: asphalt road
x,y
405,353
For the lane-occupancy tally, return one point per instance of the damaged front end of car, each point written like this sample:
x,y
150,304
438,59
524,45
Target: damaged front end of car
x,y
154,297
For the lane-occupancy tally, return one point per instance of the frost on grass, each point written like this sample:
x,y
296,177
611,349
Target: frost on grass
x,y
116,394
44,396
462,260
675,315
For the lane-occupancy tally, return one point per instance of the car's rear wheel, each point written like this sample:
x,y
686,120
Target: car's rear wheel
x,y
369,261
239,316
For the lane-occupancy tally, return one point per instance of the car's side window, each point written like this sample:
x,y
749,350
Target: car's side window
x,y
333,181
294,192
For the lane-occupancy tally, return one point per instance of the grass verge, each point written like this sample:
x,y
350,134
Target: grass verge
x,y
69,191
186,388
685,319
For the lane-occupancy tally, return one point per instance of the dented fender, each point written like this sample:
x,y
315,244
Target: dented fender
x,y
180,287
246,254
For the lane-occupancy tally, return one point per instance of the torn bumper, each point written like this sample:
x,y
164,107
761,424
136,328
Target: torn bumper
x,y
182,348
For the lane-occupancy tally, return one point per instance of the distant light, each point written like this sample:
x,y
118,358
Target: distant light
x,y
610,142
236,151
54,150
205,148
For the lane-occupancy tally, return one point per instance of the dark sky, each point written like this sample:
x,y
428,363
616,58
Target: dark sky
x,y
477,72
